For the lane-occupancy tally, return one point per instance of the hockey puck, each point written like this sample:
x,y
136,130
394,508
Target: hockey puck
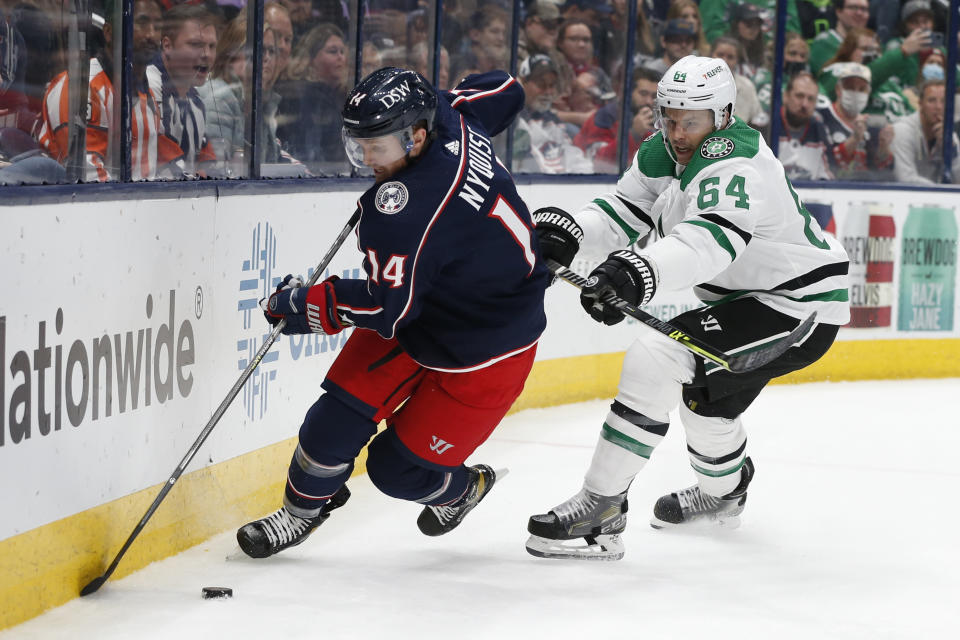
x,y
217,592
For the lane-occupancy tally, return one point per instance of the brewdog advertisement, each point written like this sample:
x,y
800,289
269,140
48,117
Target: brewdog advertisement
x,y
903,262
928,269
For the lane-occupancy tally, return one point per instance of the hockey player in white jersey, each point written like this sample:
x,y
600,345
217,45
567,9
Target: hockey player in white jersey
x,y
723,219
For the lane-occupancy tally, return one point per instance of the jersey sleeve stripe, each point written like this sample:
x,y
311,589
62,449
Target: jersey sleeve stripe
x,y
818,274
484,94
717,234
837,295
723,222
360,310
632,234
638,213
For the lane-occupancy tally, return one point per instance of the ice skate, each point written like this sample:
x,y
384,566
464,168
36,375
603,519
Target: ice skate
x,y
438,520
281,529
586,518
691,507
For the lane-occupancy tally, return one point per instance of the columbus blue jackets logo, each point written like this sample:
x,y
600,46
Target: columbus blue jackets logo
x,y
391,198
714,148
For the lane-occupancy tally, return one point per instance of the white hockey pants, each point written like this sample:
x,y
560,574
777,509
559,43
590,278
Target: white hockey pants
x,y
655,369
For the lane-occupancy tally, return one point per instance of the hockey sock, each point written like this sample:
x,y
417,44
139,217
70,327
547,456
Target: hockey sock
x,y
717,448
626,442
400,473
310,484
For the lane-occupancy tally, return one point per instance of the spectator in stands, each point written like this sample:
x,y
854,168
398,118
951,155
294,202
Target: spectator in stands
x,y
309,117
15,110
884,16
678,40
301,16
224,98
746,25
850,14
21,159
804,143
599,137
373,58
486,47
276,16
796,55
419,60
43,56
541,143
860,149
596,14
188,47
717,14
152,154
918,140
748,106
916,24
887,98
591,90
575,42
644,44
818,16
689,10
539,33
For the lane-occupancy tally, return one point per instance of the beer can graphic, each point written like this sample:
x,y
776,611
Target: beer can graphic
x,y
869,236
928,269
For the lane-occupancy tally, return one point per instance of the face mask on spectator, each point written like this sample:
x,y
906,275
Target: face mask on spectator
x,y
854,102
793,68
932,72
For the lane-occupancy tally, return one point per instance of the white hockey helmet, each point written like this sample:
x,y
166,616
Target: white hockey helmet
x,y
697,82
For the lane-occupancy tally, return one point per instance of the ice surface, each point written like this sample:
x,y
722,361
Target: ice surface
x,y
850,531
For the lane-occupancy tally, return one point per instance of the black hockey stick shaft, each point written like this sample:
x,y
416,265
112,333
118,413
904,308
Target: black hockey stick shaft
x,y
737,363
96,583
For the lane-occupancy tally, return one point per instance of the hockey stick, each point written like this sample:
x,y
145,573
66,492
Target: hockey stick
x,y
96,583
737,363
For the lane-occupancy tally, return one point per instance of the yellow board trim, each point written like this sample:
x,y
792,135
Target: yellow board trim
x,y
47,566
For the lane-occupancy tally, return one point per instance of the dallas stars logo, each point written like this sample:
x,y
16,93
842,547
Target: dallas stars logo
x,y
714,148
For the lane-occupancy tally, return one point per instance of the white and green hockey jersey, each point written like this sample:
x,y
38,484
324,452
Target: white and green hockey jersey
x,y
729,224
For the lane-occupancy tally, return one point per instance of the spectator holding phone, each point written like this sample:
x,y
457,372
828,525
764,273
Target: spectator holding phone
x,y
916,23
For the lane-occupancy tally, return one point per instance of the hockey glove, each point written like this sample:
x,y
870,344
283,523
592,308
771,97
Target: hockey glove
x,y
624,274
558,234
306,309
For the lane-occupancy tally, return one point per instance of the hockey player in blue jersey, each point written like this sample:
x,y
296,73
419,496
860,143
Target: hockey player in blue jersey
x,y
447,319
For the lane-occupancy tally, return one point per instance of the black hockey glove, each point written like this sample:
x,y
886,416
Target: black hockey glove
x,y
624,274
558,234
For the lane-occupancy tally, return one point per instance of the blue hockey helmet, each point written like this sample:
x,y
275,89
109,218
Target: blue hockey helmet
x,y
388,101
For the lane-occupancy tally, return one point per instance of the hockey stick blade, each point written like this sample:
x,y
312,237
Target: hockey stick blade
x,y
733,363
96,583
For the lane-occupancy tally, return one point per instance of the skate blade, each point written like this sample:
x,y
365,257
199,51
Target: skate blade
x,y
603,547
728,523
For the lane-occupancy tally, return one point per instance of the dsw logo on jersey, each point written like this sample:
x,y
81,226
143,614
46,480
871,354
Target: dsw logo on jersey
x,y
440,446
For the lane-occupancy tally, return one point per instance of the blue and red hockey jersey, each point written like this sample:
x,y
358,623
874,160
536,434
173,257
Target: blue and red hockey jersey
x,y
453,268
